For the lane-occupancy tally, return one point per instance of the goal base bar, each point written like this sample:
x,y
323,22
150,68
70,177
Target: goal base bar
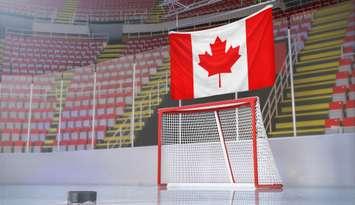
x,y
221,186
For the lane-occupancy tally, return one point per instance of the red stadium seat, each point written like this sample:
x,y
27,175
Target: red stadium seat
x,y
342,78
333,126
336,110
351,93
345,65
350,108
339,93
349,125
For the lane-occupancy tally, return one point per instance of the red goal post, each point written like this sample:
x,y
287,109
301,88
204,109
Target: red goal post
x,y
215,144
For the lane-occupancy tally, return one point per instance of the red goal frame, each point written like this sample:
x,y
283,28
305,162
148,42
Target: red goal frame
x,y
217,106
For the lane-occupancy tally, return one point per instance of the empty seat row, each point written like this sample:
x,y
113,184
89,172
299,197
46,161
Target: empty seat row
x,y
219,6
339,109
345,78
133,45
33,8
18,134
48,53
113,10
20,146
343,93
346,125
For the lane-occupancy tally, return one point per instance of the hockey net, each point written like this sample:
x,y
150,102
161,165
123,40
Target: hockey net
x,y
222,143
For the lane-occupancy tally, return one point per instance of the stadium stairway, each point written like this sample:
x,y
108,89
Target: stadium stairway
x,y
65,16
156,12
315,74
146,102
55,92
111,51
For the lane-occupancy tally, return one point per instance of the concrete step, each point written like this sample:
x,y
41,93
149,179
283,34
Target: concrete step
x,y
320,45
325,36
310,93
301,124
333,10
302,132
322,65
306,108
335,25
322,55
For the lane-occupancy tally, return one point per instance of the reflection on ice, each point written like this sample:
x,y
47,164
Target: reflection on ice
x,y
151,195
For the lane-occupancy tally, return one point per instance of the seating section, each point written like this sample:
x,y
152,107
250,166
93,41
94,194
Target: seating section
x,y
301,24
70,11
316,72
342,108
37,54
33,8
113,10
84,10
294,7
17,103
113,93
219,6
38,112
137,45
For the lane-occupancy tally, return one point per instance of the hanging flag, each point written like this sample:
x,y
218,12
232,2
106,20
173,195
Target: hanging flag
x,y
235,57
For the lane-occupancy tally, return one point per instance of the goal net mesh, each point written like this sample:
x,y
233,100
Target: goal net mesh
x,y
192,150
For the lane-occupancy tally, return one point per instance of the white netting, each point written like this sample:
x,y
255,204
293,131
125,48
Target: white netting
x,y
220,197
192,151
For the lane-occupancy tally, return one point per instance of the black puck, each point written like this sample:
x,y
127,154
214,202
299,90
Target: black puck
x,y
80,197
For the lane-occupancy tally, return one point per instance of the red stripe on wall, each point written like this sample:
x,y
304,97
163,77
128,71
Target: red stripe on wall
x,y
181,84
260,48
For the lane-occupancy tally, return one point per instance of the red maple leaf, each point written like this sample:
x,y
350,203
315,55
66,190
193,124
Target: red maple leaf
x,y
220,61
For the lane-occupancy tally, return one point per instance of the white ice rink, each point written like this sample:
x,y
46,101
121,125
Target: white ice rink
x,y
149,195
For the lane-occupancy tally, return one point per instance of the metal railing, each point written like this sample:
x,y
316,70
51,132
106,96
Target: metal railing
x,y
282,82
346,54
291,4
175,8
125,16
16,31
154,95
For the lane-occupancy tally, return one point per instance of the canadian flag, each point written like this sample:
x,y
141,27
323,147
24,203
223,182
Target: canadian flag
x,y
235,57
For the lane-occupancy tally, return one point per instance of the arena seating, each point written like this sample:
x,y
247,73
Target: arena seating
x,y
216,7
16,105
339,93
147,99
316,72
344,89
300,23
37,54
113,10
33,8
66,13
132,45
324,81
137,45
113,93
349,125
71,11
